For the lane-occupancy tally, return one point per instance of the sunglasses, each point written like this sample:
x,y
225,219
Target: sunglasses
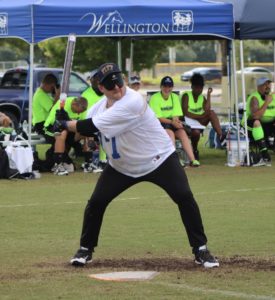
x,y
112,80
133,78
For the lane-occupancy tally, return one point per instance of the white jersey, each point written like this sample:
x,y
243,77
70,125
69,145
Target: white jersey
x,y
131,135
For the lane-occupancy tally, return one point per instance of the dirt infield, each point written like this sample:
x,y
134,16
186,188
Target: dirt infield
x,y
228,265
177,264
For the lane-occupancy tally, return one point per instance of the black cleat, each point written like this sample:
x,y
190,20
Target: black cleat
x,y
205,258
82,257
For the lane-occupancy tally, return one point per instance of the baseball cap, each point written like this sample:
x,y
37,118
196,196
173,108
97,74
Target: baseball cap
x,y
167,81
107,69
134,79
262,80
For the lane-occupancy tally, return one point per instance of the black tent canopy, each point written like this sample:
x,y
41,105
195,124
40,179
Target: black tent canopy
x,y
254,19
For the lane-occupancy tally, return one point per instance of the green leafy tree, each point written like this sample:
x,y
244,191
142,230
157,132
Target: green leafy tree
x,y
91,52
18,50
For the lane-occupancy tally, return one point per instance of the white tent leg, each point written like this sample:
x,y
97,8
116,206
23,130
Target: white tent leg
x,y
236,97
30,91
244,102
273,77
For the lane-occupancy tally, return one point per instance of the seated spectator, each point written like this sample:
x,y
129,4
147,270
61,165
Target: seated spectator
x,y
260,114
43,100
134,82
5,125
166,106
197,107
74,109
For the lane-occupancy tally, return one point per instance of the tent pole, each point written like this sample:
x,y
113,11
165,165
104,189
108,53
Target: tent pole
x,y
119,58
131,57
30,91
237,116
228,53
273,77
244,102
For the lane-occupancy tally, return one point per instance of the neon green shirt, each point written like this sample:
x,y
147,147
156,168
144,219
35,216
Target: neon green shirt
x,y
195,107
166,108
269,114
73,116
41,106
91,96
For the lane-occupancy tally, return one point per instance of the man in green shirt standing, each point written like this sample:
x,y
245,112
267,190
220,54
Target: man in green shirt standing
x,y
166,106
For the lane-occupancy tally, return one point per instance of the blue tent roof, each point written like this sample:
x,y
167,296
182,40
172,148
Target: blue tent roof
x,y
37,20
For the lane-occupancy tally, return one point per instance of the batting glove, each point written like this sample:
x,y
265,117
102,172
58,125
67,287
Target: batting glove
x,y
62,115
59,126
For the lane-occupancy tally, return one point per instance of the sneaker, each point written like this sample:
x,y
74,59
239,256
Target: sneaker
x,y
195,163
97,170
260,163
54,168
88,168
82,257
196,154
61,170
69,167
205,258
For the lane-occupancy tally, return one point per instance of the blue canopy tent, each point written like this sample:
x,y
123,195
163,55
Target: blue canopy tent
x,y
38,20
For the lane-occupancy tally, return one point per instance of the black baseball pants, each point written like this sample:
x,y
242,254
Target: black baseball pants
x,y
169,175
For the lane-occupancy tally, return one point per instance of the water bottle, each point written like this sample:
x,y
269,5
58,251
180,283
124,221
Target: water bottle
x,y
25,126
230,159
13,135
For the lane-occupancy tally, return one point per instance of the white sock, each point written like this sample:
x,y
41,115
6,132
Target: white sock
x,y
202,247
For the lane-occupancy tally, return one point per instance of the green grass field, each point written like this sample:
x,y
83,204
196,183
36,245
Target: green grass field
x,y
40,223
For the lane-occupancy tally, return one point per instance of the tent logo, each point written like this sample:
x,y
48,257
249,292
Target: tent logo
x,y
3,24
110,18
112,23
182,21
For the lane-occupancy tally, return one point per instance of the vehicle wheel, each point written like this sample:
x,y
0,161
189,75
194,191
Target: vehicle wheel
x,y
13,118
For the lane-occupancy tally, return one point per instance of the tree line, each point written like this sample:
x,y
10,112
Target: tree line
x,y
91,52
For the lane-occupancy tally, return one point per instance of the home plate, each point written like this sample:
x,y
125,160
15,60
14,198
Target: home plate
x,y
125,276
